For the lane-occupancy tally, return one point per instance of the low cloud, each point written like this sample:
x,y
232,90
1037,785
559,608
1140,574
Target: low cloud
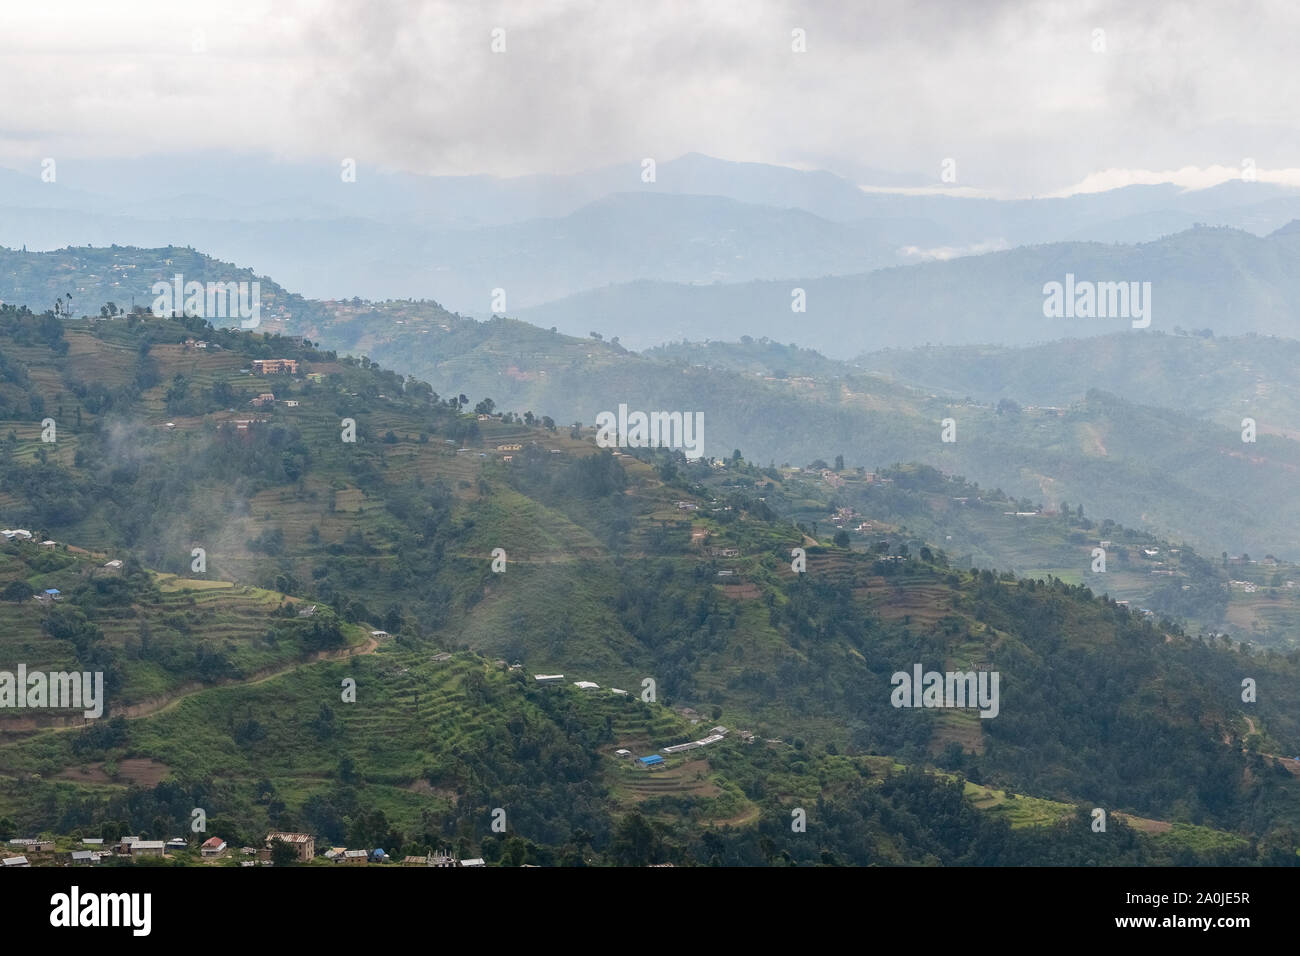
x,y
943,253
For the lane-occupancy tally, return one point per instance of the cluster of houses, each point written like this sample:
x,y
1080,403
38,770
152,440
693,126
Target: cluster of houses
x,y
268,398
716,734
559,679
96,850
347,857
656,761
652,761
277,366
50,595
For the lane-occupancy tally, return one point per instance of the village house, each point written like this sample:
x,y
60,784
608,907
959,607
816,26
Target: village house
x,y
291,403
148,848
32,845
275,366
14,861
213,847
266,398
304,843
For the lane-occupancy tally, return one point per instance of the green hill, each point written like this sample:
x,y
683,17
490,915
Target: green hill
x,y
612,575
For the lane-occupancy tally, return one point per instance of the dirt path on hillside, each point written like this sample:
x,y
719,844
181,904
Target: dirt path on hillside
x,y
1288,763
164,704
159,705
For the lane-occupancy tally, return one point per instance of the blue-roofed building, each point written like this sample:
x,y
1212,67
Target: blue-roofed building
x,y
650,761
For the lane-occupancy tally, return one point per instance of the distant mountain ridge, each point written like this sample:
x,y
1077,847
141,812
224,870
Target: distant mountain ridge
x,y
699,219
1151,463
1223,279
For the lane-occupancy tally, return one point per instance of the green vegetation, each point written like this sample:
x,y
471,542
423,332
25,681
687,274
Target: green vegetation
x,y
613,574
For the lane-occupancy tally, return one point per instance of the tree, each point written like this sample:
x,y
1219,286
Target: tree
x,y
16,591
635,842
841,538
485,407
839,462
283,854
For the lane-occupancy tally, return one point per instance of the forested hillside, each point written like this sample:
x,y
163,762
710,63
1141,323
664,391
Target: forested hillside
x,y
617,567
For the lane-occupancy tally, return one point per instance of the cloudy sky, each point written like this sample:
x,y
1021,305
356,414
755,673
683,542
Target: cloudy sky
x,y
1026,98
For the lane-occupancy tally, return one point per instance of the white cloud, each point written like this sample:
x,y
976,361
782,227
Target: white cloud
x,y
1012,90
943,253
